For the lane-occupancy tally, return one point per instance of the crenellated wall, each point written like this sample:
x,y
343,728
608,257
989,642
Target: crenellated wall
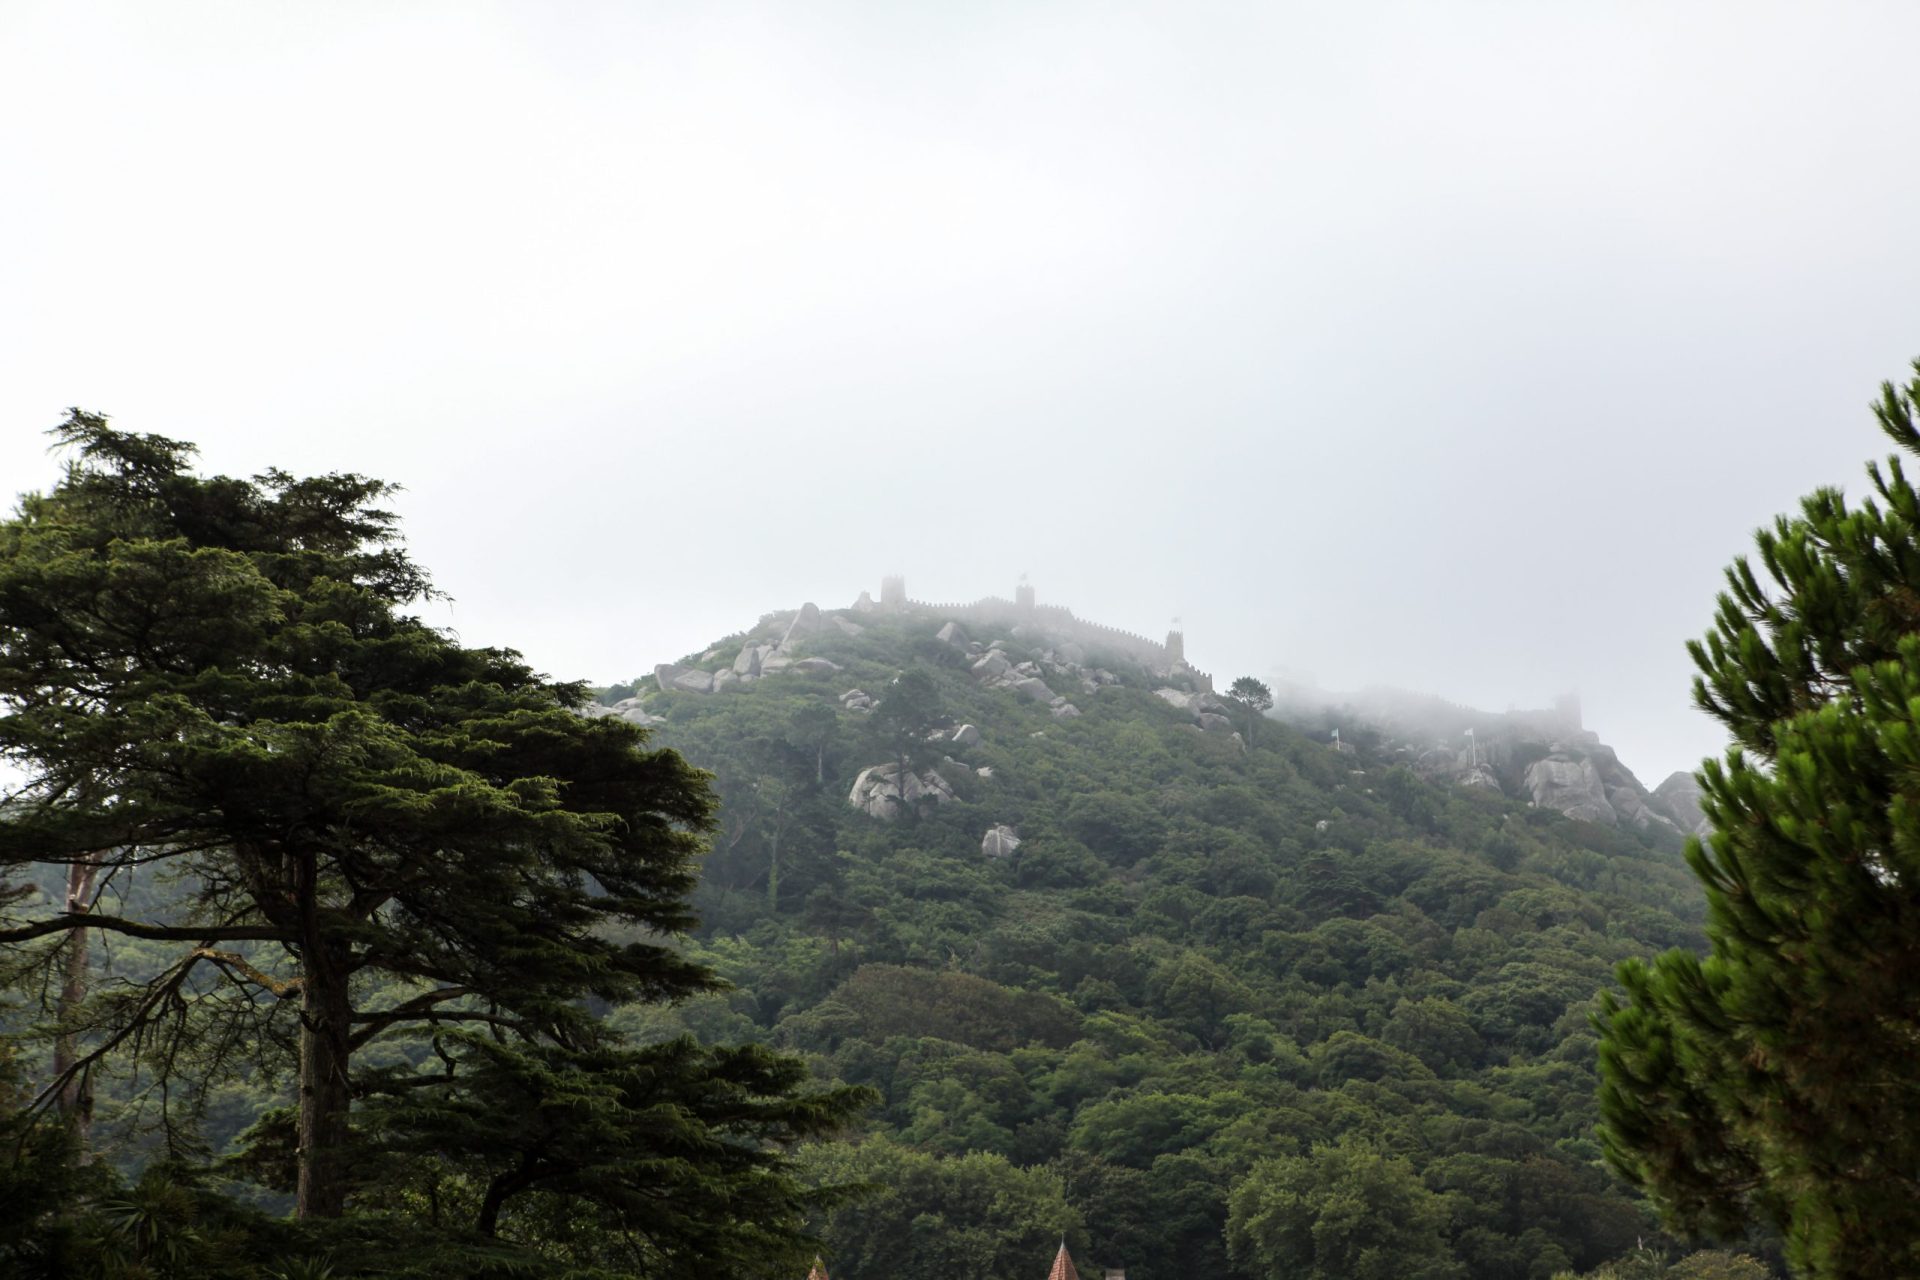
x,y
1057,620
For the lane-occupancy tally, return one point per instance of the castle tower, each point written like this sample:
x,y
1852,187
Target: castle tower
x,y
893,592
1023,598
1063,1268
1176,648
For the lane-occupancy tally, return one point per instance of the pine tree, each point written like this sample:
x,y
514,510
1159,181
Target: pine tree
x,y
216,681
1254,698
1778,1077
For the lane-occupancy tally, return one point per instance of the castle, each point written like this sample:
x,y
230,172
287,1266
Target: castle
x,y
1056,621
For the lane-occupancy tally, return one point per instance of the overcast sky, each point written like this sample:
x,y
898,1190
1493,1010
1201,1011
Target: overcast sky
x,y
1450,346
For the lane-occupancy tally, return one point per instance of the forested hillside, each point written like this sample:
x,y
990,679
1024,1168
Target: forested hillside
x,y
1204,996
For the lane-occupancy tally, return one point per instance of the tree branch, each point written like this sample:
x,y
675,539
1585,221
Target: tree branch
x,y
134,928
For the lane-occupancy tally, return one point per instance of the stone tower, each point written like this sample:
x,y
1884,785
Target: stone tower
x,y
893,592
1176,648
1023,598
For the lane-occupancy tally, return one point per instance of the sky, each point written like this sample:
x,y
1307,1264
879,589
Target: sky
x,y
1453,347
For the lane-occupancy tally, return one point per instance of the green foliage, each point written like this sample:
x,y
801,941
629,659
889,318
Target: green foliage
x,y
1342,1212
1177,976
334,841
1255,700
1774,1078
933,1219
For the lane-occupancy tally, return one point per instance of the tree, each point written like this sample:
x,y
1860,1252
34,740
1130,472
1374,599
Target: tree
x,y
608,1133
366,828
1344,1212
907,713
936,1217
1776,1076
1254,698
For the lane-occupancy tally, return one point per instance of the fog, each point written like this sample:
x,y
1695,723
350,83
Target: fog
x,y
1450,347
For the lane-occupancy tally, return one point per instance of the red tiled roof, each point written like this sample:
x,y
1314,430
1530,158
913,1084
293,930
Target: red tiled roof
x,y
819,1271
1063,1265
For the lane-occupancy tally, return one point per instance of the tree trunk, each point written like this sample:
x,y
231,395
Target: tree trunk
x,y
326,1023
76,1096
503,1186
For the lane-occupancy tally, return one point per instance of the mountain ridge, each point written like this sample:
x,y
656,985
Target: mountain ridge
x,y
1120,973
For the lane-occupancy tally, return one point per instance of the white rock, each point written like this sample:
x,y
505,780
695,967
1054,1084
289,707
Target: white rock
x,y
1034,688
694,681
966,736
725,677
993,664
879,792
999,842
1175,698
815,666
1066,711
952,634
1570,786
805,622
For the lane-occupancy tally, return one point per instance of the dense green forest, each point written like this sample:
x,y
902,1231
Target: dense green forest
x,y
1251,1010
334,948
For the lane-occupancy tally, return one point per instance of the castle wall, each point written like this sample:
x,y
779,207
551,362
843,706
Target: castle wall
x,y
1056,620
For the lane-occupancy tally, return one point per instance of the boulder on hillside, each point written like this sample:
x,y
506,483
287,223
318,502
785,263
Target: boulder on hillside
x,y
999,842
694,681
1679,795
993,665
1066,711
880,793
805,622
1175,698
966,735
1570,785
952,634
1479,775
815,666
1034,687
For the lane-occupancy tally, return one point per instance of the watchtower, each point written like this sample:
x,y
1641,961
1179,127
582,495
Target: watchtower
x,y
893,591
1023,598
1176,648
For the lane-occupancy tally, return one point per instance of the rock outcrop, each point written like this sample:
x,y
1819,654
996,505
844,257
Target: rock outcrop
x,y
880,792
1570,785
757,659
1680,796
999,842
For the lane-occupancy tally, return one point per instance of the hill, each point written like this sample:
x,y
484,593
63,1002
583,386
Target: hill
x,y
1196,992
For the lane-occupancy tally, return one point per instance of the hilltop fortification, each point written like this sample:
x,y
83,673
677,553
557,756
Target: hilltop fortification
x,y
1051,621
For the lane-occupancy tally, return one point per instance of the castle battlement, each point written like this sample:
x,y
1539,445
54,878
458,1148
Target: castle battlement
x,y
1056,620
